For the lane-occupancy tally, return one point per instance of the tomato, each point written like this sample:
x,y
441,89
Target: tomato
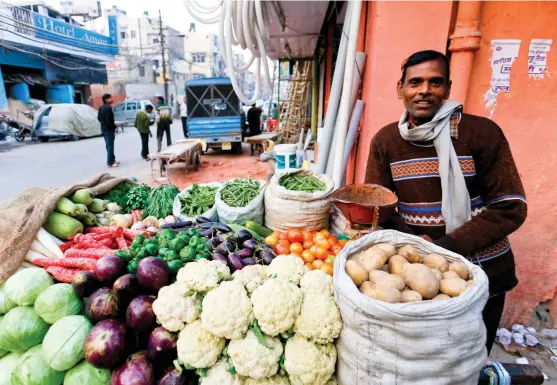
x,y
308,245
332,240
308,256
276,232
272,240
296,255
321,253
342,242
330,259
295,236
325,233
283,247
310,266
283,236
327,268
317,237
323,243
336,249
317,263
297,248
308,236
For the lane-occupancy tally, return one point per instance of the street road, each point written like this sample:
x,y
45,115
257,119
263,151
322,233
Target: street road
x,y
60,163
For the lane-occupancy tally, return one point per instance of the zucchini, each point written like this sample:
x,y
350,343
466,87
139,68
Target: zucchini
x,y
89,220
261,230
62,226
83,196
97,206
66,206
82,211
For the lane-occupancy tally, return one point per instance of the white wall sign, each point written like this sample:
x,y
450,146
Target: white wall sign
x,y
504,53
537,57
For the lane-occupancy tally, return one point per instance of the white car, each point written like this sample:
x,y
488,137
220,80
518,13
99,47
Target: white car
x,y
126,111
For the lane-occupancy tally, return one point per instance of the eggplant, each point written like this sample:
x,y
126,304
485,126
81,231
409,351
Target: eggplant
x,y
235,262
208,233
214,242
230,245
243,236
215,225
267,257
220,257
85,283
221,249
245,253
177,225
199,220
249,261
251,244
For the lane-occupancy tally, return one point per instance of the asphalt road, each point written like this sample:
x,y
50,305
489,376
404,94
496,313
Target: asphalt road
x,y
60,163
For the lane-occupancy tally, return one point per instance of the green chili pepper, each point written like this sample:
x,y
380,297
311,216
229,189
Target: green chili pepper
x,y
175,266
188,254
151,249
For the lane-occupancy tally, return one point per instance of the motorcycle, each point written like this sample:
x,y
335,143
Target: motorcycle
x,y
496,373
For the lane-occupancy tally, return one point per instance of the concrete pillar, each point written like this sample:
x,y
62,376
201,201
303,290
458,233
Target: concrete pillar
x,y
3,96
20,91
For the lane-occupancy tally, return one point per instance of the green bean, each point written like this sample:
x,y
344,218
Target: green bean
x,y
302,181
240,192
198,200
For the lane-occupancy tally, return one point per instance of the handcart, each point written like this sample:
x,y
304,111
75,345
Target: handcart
x,y
185,150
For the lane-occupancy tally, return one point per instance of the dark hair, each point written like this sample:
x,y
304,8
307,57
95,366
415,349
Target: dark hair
x,y
106,97
149,107
425,56
161,99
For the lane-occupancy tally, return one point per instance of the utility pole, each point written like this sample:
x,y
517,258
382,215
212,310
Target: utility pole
x,y
139,32
163,50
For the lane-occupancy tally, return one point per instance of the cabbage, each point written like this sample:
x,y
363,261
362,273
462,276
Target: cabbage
x,y
7,366
5,304
63,344
85,373
33,370
2,351
21,329
24,287
56,302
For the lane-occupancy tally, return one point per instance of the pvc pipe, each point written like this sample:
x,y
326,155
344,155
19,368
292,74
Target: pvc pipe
x,y
321,94
314,95
325,136
344,116
352,135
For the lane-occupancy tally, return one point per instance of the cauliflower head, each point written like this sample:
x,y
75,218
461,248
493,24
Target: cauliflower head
x,y
275,380
203,275
174,310
319,319
300,351
197,347
276,305
220,375
252,359
227,311
288,267
316,282
252,276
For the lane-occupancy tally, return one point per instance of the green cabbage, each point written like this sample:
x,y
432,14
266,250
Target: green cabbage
x,y
21,329
58,301
33,370
24,287
2,351
85,373
63,344
7,366
5,304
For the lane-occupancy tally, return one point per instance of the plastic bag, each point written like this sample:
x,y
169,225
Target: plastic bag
x,y
211,214
254,211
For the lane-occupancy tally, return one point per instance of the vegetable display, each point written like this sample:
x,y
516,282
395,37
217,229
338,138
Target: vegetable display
x,y
57,302
161,201
198,200
240,192
32,369
120,195
21,329
63,343
302,181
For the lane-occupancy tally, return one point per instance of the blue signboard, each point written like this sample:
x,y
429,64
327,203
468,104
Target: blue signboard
x,y
87,75
60,31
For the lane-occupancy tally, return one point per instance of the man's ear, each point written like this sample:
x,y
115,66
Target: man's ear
x,y
448,93
399,89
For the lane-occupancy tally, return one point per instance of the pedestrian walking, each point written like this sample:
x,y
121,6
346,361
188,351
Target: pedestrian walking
x,y
184,116
254,120
164,120
142,123
108,129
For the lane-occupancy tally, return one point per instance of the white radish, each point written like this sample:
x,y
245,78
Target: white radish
x,y
32,255
45,238
39,248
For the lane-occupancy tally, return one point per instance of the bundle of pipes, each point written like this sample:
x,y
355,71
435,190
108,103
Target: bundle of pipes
x,y
342,102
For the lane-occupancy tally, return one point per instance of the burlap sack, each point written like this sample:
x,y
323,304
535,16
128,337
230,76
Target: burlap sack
x,y
22,217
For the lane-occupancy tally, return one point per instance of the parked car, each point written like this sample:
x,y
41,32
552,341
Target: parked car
x,y
69,121
126,111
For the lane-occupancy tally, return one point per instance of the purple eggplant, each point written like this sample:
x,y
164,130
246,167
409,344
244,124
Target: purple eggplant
x,y
251,244
243,235
235,262
249,261
208,233
214,242
221,249
245,253
220,257
231,244
267,257
173,376
161,346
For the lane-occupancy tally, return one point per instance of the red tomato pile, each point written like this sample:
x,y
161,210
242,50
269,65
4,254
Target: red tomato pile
x,y
318,250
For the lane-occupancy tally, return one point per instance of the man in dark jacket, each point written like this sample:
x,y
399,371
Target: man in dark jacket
x,y
108,129
254,120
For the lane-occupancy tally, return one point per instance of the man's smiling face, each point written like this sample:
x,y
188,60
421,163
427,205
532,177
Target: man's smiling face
x,y
424,88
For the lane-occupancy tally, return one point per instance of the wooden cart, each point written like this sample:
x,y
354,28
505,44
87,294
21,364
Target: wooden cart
x,y
187,151
257,141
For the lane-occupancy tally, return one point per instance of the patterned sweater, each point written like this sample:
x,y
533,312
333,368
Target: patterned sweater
x,y
496,192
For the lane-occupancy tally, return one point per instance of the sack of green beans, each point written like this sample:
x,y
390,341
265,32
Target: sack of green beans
x,y
298,200
197,200
241,200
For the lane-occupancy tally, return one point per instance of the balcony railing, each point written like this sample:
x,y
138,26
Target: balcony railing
x,y
32,27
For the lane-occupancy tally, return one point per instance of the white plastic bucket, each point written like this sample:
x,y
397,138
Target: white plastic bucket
x,y
285,155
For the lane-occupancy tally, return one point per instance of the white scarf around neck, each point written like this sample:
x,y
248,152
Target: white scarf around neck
x,y
455,205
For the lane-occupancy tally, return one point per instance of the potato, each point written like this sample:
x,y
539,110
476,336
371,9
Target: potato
x,y
410,254
436,261
371,259
376,275
358,274
383,293
396,264
392,280
420,278
470,283
459,268
410,296
366,286
385,268
453,286
437,274
387,248
449,274
441,297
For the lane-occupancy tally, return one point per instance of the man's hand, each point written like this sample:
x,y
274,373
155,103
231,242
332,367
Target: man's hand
x,y
426,237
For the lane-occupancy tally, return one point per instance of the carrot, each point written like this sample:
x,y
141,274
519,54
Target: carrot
x,y
62,274
122,244
91,253
100,237
72,263
129,234
67,245
88,242
108,242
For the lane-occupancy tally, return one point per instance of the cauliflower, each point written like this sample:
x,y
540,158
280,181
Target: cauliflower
x,y
220,375
319,320
227,311
275,380
253,359
299,352
316,282
203,275
332,381
197,347
288,267
252,276
276,305
173,310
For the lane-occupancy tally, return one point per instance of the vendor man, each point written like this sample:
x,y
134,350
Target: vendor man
x,y
454,176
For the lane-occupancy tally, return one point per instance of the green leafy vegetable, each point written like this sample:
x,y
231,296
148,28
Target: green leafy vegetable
x,y
119,195
32,369
63,344
21,329
56,302
161,201
198,200
7,366
85,373
24,287
138,197
5,304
